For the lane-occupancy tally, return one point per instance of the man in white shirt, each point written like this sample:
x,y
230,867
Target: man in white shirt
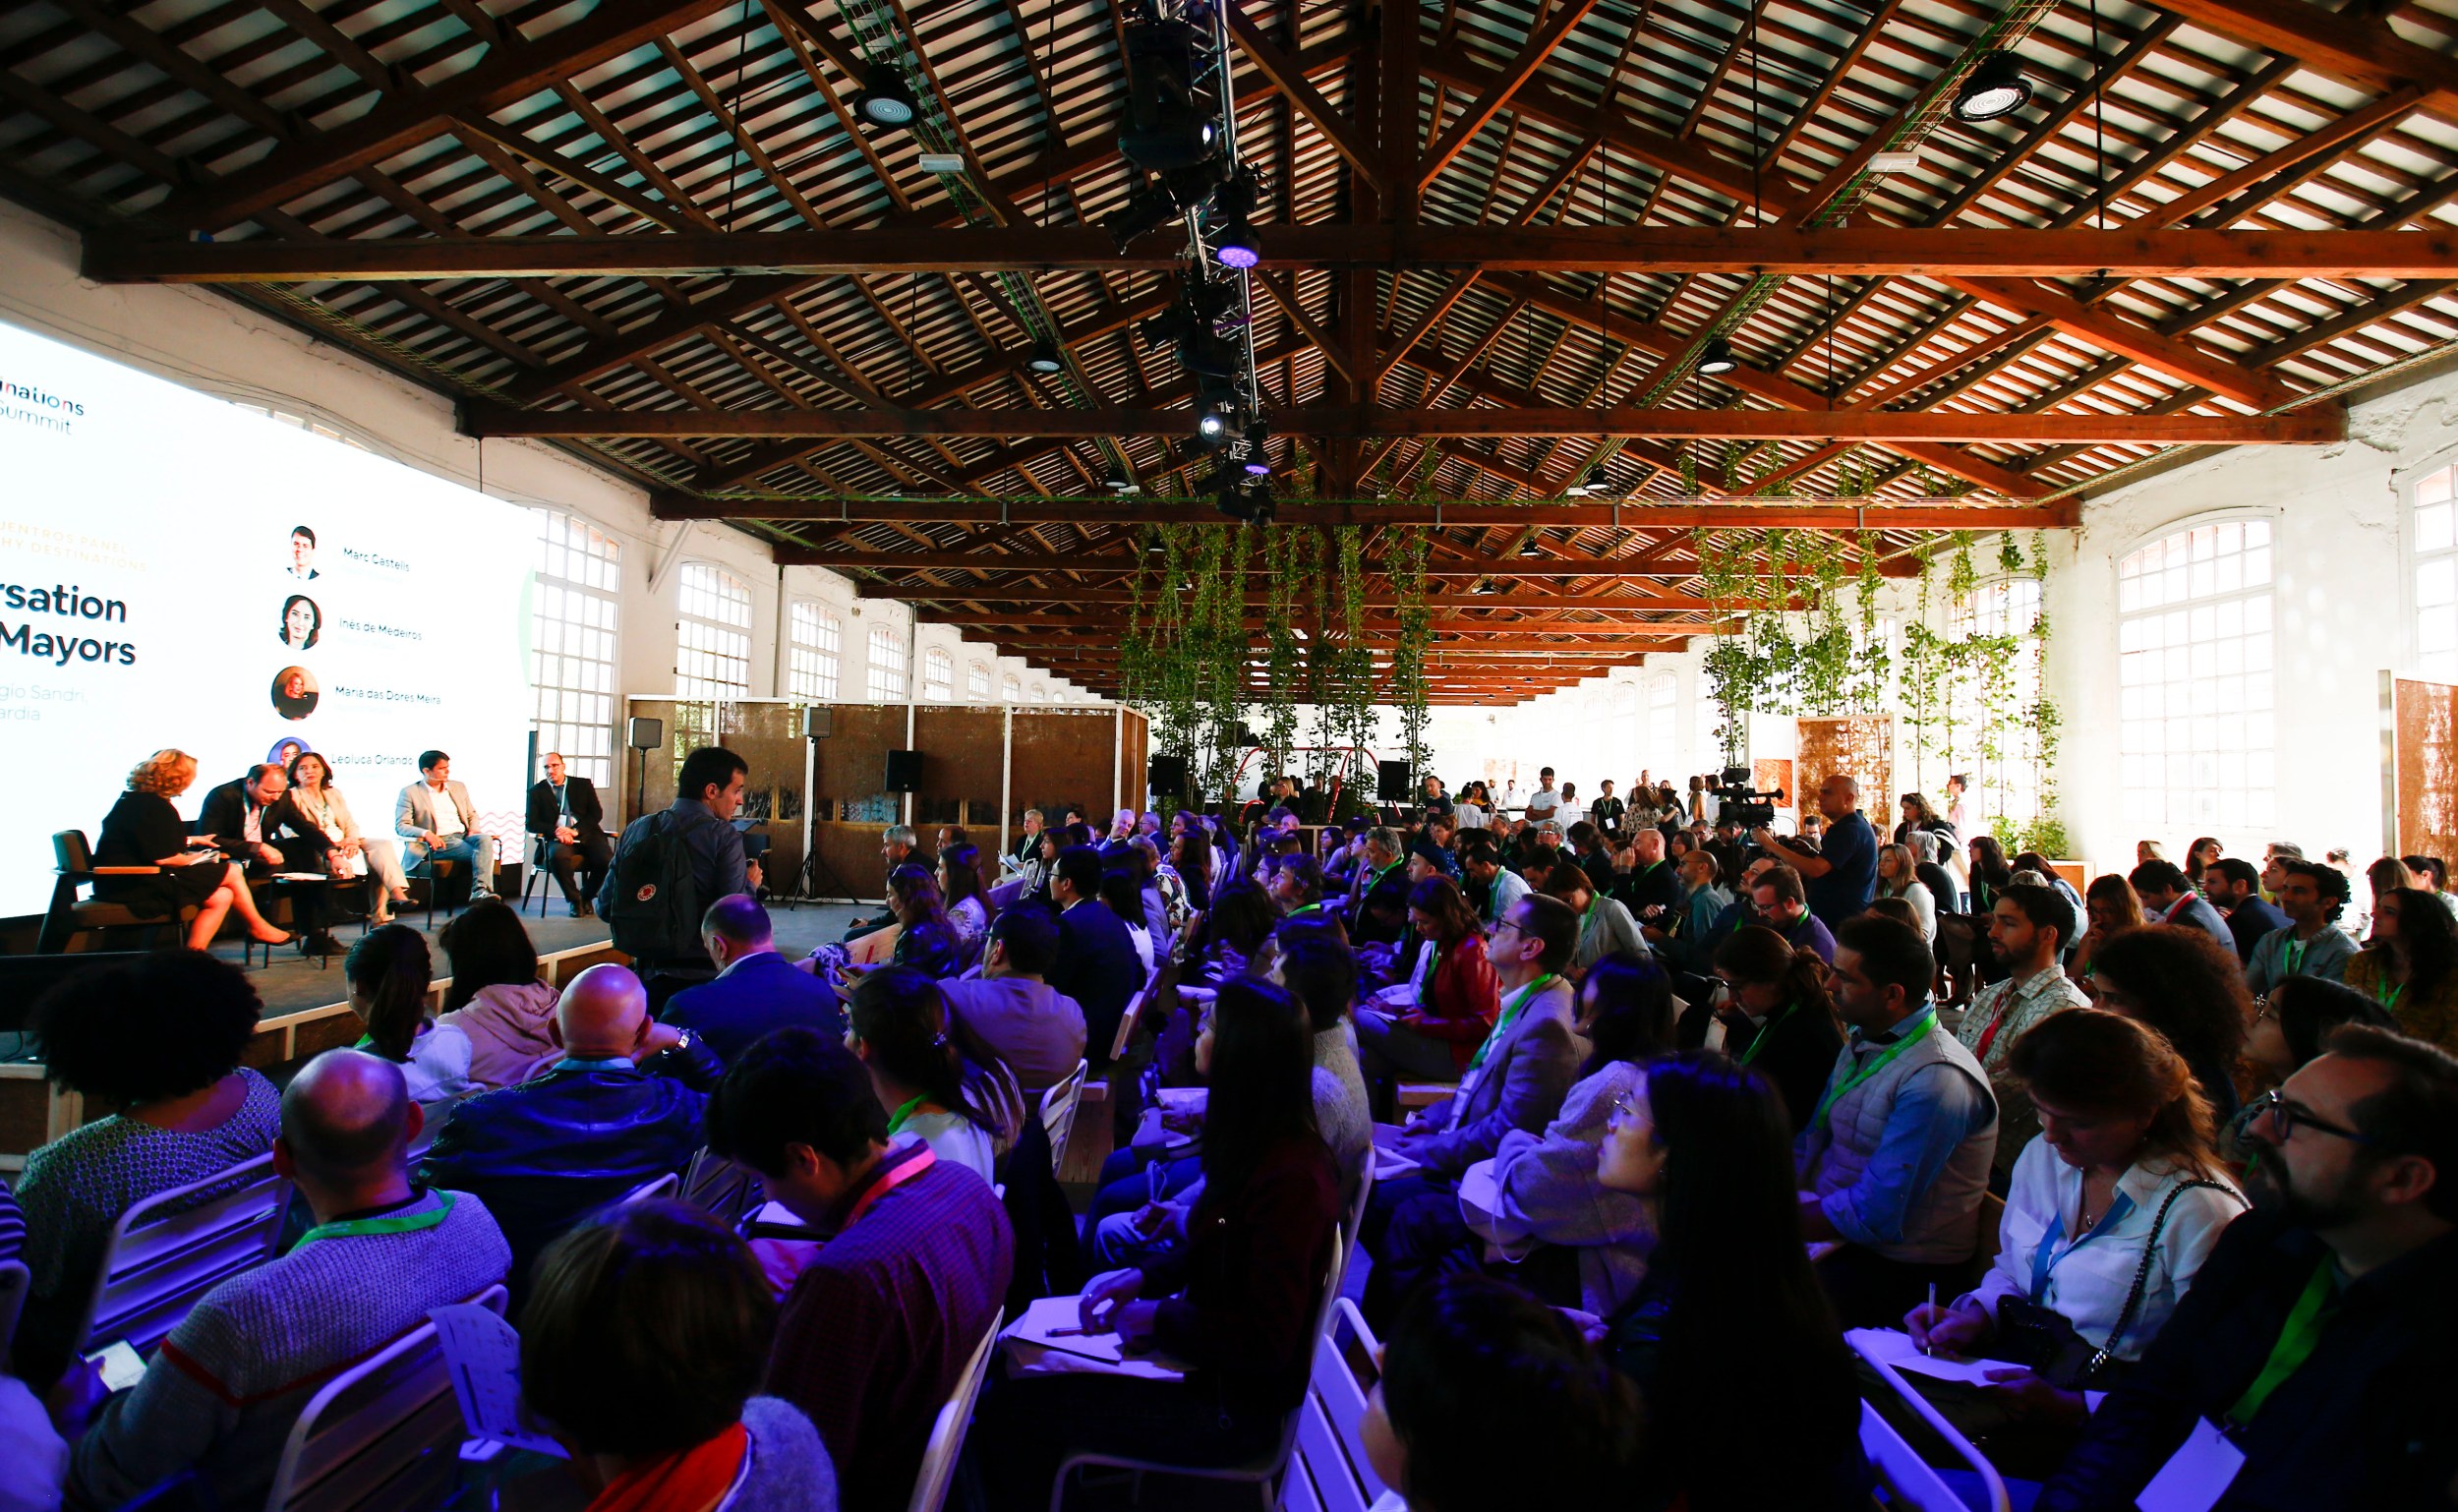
x,y
1542,803
434,817
1035,1028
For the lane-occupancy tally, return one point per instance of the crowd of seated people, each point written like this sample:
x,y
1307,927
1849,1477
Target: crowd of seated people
x,y
1627,1114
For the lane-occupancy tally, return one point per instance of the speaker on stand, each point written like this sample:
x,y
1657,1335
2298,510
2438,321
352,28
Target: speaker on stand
x,y
818,723
647,735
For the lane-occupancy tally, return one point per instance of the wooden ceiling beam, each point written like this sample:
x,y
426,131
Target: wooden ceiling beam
x,y
1649,514
1455,599
1499,88
937,559
2316,425
2351,46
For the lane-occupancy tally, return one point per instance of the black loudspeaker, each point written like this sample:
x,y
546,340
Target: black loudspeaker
x,y
647,735
1391,782
817,722
1167,775
905,771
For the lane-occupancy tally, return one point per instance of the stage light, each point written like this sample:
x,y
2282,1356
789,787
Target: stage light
x,y
1253,455
1484,589
1044,358
1596,482
1149,209
1210,355
1237,246
1994,87
1529,547
1716,357
885,99
1211,427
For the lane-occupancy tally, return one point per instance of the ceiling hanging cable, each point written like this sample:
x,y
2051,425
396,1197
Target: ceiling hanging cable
x,y
2099,125
734,163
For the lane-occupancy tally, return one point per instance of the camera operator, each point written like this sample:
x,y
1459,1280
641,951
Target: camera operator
x,y
1843,872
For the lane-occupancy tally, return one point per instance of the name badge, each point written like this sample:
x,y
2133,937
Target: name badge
x,y
2197,1475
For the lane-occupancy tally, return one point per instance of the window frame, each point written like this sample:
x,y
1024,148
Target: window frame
x,y
727,587
563,735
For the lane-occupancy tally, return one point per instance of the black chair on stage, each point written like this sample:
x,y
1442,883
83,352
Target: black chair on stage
x,y
69,916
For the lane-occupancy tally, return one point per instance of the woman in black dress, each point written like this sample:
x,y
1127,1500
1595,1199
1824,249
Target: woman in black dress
x,y
143,830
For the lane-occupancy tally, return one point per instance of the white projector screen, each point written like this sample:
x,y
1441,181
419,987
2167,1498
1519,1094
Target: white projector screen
x,y
155,590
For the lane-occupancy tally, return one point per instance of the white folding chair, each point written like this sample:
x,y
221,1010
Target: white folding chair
x,y
168,1250
1906,1481
1992,1484
946,1430
379,1435
1127,1024
1058,1113
1328,1471
664,1187
1353,1222
14,1278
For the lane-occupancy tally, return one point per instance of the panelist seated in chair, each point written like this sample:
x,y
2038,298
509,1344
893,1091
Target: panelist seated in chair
x,y
564,812
255,822
143,831
223,1392
436,819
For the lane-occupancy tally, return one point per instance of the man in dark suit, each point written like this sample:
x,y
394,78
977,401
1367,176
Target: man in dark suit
x,y
1097,964
756,990
2235,889
591,1128
566,809
255,823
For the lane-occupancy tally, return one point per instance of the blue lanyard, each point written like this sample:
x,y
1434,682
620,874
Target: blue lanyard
x,y
2042,1264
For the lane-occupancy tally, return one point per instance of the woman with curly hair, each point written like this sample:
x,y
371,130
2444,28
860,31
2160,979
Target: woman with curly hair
x,y
2110,906
143,830
2189,987
2410,966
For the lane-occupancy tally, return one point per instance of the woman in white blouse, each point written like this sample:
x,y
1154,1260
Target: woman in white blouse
x,y
2122,1168
313,794
1899,876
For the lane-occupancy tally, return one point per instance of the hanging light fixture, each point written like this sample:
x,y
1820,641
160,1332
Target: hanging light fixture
x,y
1994,87
1237,246
885,99
1044,359
1716,357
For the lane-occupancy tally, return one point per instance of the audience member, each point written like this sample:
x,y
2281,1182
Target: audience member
x,y
566,817
878,1328
967,905
2411,965
1841,873
2161,975
755,990
662,929
1486,1398
496,998
587,1130
1096,957
2110,906
1606,927
1899,876
2310,1362
1232,930
143,829
1776,1015
1481,857
2430,874
1640,878
642,1347
899,1031
160,1038
1895,1157
1683,939
2027,929
1989,870
2294,1021
222,1393
2198,855
389,972
2168,898
2234,888
2310,943
1318,969
1236,1303
1191,862
1429,1032
1037,1029
1780,902
1121,895
2112,1209
434,817
926,940
1729,1312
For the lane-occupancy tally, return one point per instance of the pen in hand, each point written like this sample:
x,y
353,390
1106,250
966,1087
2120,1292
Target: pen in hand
x,y
1924,1337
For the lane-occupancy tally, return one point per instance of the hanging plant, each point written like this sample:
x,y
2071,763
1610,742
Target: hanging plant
x,y
1410,688
1283,662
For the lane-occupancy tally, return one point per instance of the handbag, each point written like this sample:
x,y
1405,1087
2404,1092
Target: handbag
x,y
2045,1341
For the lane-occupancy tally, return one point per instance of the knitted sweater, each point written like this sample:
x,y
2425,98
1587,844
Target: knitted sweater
x,y
225,1388
789,1470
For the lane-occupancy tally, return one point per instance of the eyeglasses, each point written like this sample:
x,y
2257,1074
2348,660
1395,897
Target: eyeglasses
x,y
2273,1115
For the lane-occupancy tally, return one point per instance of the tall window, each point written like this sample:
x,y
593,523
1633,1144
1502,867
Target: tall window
x,y
571,660
978,682
713,638
938,674
818,640
1012,688
887,667
1040,694
2001,756
2194,667
2437,575
1663,693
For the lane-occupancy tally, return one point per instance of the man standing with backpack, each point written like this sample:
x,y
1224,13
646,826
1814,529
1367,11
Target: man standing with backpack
x,y
671,865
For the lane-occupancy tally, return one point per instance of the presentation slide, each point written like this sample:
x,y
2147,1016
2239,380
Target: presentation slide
x,y
178,571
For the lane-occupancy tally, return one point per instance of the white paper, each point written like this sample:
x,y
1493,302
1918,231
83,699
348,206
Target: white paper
x,y
483,1355
1389,1161
1043,1341
2197,1475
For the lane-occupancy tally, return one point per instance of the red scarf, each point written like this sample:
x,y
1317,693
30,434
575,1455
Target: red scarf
x,y
694,1480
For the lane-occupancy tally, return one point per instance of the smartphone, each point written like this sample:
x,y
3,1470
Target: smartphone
x,y
119,1363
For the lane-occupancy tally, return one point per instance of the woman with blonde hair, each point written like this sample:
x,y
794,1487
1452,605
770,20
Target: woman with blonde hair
x,y
143,831
1899,876
320,803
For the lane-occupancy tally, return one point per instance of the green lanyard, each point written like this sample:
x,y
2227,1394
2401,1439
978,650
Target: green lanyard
x,y
2296,1338
1914,1029
2388,993
2294,952
1509,1016
1767,1033
1309,909
396,1223
896,1119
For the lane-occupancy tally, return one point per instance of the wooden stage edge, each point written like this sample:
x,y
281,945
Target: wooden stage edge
x,y
32,1112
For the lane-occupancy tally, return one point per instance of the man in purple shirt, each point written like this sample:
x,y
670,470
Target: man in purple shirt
x,y
878,1330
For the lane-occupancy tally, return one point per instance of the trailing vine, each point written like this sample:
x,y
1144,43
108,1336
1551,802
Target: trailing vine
x,y
1410,687
1283,661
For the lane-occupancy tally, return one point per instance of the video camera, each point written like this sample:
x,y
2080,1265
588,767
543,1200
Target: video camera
x,y
1743,804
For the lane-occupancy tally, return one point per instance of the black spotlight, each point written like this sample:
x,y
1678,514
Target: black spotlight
x,y
1149,209
1529,547
1044,358
1994,87
1166,127
1716,357
885,99
1211,426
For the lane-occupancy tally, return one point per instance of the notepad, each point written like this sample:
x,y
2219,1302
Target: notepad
x,y
483,1355
1389,1161
1050,1327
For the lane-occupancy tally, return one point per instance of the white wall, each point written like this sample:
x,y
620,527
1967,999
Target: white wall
x,y
200,339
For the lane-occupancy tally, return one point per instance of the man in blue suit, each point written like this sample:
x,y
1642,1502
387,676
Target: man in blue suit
x,y
1097,964
756,990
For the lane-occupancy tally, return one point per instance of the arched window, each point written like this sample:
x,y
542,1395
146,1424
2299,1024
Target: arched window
x,y
938,674
978,682
1040,694
887,666
818,634
2194,672
1012,688
713,636
2437,574
571,667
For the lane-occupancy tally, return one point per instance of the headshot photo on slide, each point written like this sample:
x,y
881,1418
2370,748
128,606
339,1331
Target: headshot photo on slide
x,y
301,623
302,552
287,749
295,692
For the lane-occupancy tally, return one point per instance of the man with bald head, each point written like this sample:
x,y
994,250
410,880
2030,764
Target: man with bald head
x,y
619,1110
222,1393
756,991
1843,872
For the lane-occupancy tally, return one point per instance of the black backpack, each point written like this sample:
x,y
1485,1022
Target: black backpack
x,y
655,914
